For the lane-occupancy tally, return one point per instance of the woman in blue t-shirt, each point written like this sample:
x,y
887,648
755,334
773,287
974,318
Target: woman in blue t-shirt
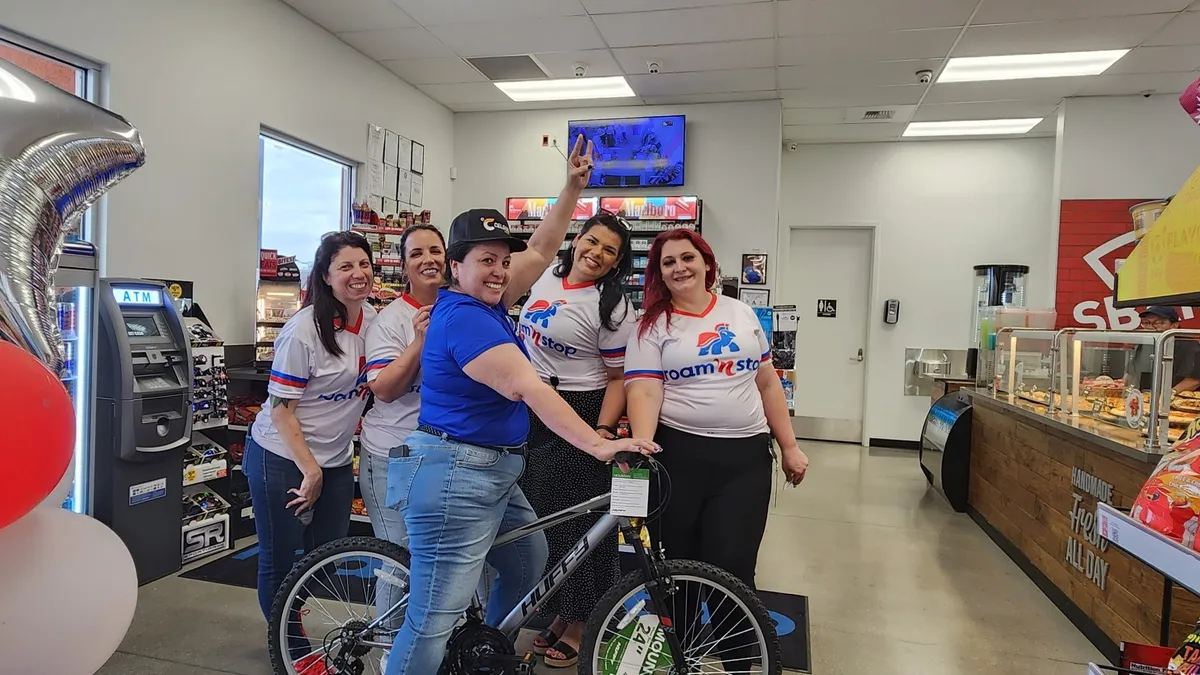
x,y
457,486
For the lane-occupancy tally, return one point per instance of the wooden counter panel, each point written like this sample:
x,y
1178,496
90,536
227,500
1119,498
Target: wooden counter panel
x,y
1021,484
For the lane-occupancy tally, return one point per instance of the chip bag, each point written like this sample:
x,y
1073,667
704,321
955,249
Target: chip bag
x,y
1169,501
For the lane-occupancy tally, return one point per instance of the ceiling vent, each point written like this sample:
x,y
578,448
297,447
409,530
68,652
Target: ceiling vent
x,y
878,115
501,68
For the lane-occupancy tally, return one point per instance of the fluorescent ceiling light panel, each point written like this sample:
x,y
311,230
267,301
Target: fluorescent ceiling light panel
x,y
1029,66
972,127
572,88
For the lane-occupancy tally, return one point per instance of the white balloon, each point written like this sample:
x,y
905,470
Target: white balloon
x,y
68,589
61,491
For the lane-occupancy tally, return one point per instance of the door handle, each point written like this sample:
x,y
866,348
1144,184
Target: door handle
x,y
858,358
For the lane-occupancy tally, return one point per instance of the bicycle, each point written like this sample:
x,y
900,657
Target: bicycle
x,y
636,628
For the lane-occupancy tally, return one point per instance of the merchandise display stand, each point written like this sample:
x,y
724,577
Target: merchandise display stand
x,y
206,522
1176,562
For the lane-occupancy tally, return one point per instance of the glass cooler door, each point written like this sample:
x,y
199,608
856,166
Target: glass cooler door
x,y
76,278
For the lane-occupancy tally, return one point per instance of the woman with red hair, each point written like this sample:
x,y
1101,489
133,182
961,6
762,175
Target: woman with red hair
x,y
699,380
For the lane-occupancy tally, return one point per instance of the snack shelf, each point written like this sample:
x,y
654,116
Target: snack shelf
x,y
1170,558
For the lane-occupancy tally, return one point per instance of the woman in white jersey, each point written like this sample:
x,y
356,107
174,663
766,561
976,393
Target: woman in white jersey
x,y
699,380
575,326
393,372
298,455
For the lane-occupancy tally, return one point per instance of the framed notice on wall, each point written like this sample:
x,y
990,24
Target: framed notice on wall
x,y
418,158
417,196
404,187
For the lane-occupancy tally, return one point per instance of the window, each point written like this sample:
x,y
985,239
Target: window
x,y
304,194
65,71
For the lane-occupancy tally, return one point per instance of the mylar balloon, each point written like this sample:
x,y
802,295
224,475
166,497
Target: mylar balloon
x,y
68,589
38,437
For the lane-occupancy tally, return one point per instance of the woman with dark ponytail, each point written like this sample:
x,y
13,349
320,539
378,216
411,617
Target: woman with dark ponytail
x,y
298,455
575,325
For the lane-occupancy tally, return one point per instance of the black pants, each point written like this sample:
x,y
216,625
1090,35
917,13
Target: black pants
x,y
720,493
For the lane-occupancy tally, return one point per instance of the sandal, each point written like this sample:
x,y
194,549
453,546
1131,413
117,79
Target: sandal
x,y
549,638
571,656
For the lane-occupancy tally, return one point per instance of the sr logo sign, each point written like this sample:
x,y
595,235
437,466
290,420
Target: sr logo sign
x,y
206,537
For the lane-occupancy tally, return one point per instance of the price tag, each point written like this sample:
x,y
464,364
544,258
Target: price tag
x,y
630,493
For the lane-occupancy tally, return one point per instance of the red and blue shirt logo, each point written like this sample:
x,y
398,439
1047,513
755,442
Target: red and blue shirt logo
x,y
541,311
717,341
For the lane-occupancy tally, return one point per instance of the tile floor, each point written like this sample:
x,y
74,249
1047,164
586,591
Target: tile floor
x,y
897,582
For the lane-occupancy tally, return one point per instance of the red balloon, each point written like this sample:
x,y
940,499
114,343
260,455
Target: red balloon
x,y
37,432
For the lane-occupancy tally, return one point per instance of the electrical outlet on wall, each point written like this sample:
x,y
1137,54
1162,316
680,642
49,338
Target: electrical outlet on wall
x,y
545,140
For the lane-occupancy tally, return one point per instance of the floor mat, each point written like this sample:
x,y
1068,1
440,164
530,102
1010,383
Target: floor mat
x,y
239,568
790,613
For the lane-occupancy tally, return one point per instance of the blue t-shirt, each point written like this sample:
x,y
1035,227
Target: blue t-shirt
x,y
460,329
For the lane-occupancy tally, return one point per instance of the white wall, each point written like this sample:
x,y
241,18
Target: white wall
x,y
732,164
198,79
941,208
1126,147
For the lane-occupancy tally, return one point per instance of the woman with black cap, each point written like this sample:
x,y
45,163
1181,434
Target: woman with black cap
x,y
455,480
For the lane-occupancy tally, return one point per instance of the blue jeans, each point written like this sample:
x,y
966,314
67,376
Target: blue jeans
x,y
455,499
387,523
283,537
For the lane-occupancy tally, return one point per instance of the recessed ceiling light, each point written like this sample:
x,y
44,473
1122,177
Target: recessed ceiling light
x,y
972,127
1028,66
572,88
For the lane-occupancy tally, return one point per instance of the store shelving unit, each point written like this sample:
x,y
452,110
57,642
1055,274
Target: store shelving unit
x,y
384,236
1176,562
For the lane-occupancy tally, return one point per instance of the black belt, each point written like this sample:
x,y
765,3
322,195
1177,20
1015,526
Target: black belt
x,y
510,449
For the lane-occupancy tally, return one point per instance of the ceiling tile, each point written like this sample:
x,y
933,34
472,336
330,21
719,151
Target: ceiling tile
x,y
681,99
691,58
1053,88
945,112
711,82
823,133
682,26
1013,11
854,74
437,12
1174,59
524,36
1183,30
797,116
867,47
1059,36
600,63
474,92
347,15
1172,84
814,17
396,43
621,6
450,70
848,97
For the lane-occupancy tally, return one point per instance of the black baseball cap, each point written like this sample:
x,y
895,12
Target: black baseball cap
x,y
480,225
1168,313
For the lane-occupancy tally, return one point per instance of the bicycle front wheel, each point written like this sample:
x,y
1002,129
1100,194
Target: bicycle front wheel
x,y
320,617
722,626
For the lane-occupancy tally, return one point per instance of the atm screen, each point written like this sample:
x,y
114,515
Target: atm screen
x,y
141,326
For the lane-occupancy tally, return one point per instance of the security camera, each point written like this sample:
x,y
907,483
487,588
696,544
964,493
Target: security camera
x,y
924,76
793,146
652,67
580,69
1148,93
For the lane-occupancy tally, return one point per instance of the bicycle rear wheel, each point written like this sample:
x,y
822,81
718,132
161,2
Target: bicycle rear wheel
x,y
723,627
320,615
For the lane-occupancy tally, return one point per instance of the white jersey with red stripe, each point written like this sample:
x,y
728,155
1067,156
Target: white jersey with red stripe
x,y
707,363
329,391
386,425
560,326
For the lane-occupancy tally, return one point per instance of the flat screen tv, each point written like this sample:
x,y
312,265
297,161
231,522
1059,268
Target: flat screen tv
x,y
634,152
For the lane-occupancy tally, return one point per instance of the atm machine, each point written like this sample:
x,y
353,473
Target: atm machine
x,y
143,421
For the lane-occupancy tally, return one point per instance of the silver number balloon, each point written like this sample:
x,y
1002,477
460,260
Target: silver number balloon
x,y
58,155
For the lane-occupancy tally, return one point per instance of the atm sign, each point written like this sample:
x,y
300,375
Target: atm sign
x,y
138,296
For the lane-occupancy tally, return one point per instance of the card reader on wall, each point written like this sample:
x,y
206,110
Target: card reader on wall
x,y
891,311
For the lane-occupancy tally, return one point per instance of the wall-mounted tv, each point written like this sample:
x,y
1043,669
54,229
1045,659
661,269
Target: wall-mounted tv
x,y
634,152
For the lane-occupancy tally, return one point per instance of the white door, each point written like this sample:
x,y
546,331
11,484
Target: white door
x,y
828,279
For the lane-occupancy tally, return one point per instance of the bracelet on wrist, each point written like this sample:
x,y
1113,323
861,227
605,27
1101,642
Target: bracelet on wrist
x,y
606,427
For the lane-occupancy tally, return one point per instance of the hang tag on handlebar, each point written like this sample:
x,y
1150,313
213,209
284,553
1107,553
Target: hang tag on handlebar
x,y
630,493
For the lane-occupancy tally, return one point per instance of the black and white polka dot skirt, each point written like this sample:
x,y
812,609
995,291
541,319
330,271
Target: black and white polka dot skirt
x,y
559,476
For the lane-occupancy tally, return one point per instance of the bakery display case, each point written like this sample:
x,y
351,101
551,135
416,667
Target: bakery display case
x,y
1126,379
1025,365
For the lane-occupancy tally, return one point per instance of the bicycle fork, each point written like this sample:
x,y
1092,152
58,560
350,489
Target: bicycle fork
x,y
658,594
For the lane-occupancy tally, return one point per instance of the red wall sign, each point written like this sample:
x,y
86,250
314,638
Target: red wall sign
x,y
1094,237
